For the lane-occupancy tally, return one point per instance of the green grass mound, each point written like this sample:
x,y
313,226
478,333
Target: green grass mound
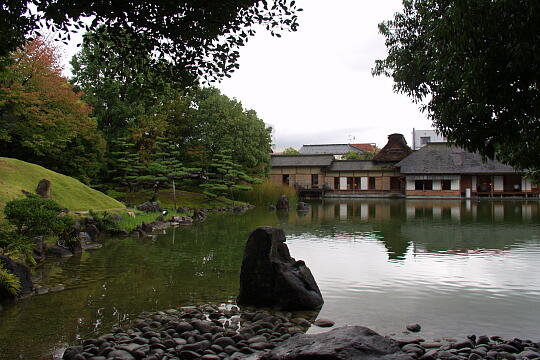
x,y
17,175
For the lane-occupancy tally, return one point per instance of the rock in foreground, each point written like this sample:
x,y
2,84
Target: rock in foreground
x,y
350,342
270,277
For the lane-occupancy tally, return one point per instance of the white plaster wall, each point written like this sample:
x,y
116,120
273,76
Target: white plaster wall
x,y
454,184
410,184
364,183
437,185
342,183
498,183
525,184
473,183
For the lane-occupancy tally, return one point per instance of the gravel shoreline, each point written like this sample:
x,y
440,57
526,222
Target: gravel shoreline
x,y
214,332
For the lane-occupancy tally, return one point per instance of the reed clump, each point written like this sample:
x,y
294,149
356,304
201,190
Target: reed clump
x,y
267,193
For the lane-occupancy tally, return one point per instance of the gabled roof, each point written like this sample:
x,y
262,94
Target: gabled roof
x,y
330,149
395,150
443,158
366,147
301,160
359,165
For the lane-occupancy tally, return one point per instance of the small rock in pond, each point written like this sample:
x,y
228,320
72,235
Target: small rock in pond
x,y
414,327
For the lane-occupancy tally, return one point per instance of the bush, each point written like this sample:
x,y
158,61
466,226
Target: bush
x,y
30,217
34,216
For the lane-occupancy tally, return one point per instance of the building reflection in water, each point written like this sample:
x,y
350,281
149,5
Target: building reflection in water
x,y
415,226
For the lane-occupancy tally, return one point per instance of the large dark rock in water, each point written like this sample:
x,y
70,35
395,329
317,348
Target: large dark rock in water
x,y
270,277
22,272
350,342
282,203
44,188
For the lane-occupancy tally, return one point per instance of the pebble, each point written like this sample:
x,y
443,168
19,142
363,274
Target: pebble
x,y
323,323
414,327
231,333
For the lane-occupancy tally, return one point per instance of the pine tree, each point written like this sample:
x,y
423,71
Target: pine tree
x,y
126,163
225,176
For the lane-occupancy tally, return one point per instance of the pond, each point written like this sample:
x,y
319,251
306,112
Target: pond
x,y
455,267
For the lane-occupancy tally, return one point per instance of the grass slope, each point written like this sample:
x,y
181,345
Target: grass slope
x,y
17,175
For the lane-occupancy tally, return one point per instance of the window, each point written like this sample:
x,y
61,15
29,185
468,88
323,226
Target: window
x,y
336,183
285,179
423,185
350,181
371,183
446,184
357,183
314,180
424,140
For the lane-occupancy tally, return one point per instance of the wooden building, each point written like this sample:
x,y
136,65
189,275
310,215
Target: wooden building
x,y
362,177
300,171
440,169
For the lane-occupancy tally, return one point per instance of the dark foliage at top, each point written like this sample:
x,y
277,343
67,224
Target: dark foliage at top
x,y
188,38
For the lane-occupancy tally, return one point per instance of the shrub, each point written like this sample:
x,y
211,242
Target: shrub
x,y
34,216
30,217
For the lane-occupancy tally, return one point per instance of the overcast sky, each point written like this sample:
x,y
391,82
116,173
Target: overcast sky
x,y
315,85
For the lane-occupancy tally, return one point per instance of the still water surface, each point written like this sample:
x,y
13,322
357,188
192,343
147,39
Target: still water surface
x,y
455,267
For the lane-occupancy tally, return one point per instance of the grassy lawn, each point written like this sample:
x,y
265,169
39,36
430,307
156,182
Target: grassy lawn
x,y
17,175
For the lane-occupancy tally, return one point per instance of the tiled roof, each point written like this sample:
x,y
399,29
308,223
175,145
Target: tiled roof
x,y
301,160
366,147
442,158
331,149
359,165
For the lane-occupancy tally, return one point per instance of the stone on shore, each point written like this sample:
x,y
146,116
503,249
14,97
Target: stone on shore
x,y
149,206
22,272
271,277
58,251
282,203
350,342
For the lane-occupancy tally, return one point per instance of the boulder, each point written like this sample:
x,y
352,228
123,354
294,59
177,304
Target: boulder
x,y
84,237
76,246
44,188
58,251
199,215
282,203
149,206
22,272
270,277
302,206
349,342
38,252
93,231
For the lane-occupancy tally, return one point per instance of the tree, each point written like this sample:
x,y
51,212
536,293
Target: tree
x,y
473,65
199,38
290,151
354,155
119,95
125,163
225,176
219,123
42,120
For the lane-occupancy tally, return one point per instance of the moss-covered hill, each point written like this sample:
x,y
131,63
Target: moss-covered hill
x,y
17,175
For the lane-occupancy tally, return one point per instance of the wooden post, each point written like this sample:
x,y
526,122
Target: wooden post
x,y
174,194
